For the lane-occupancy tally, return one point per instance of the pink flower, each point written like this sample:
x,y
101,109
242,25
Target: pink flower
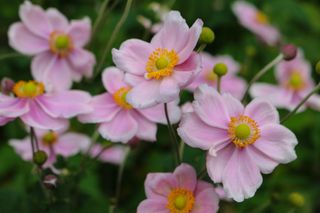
x,y
179,191
56,44
114,154
230,83
294,83
256,21
42,110
53,143
242,142
120,122
157,70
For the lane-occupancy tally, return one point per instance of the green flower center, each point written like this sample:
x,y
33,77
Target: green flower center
x,y
180,202
296,81
162,62
242,131
49,138
62,42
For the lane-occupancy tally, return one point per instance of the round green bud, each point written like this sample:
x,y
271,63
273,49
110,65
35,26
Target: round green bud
x,y
40,157
296,199
318,67
206,36
220,69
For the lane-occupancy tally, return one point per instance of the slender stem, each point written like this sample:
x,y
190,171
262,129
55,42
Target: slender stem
x,y
173,136
35,139
219,84
113,36
201,47
32,140
181,149
314,91
203,172
261,73
98,20
10,55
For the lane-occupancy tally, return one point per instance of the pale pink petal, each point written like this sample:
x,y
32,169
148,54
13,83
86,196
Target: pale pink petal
x,y
65,104
314,102
186,176
121,129
233,85
114,154
168,90
157,205
82,62
160,184
22,147
263,161
38,118
35,19
5,120
104,109
187,107
262,112
147,130
132,56
241,177
71,143
206,198
57,20
133,79
41,65
198,134
233,105
209,106
112,79
13,107
24,41
144,95
80,31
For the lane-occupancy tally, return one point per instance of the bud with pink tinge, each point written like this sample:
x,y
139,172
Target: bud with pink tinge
x,y
289,52
7,85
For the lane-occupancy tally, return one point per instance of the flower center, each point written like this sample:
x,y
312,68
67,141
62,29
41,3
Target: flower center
x,y
49,138
120,97
261,18
161,63
180,201
296,81
212,77
29,89
243,131
60,43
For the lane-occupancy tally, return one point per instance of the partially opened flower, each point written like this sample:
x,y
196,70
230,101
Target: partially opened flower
x,y
58,46
242,142
159,69
54,143
294,83
114,154
36,108
230,83
120,121
256,21
178,192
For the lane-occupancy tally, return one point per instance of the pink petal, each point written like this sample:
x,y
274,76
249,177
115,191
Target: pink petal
x,y
13,107
157,205
114,154
121,129
277,142
22,148
206,198
160,184
104,109
24,41
314,102
186,176
71,143
233,105
233,85
132,56
80,31
65,104
147,130
144,95
263,161
209,106
262,112
42,64
82,62
57,20
38,118
35,19
133,79
198,134
112,79
168,90
5,120
241,176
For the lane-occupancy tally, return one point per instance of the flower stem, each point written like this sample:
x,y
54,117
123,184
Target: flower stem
x,y
261,73
98,20
113,36
314,91
219,84
201,48
173,136
10,55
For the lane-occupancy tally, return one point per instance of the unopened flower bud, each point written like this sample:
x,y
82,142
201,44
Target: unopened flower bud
x,y
296,199
289,52
220,69
318,67
50,181
7,86
40,157
206,36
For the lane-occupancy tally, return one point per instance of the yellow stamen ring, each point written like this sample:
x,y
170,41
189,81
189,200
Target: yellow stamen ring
x,y
30,89
49,138
180,201
261,18
120,97
296,81
60,44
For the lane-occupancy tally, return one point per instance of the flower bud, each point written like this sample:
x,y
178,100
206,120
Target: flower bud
x,y
40,157
50,181
296,199
7,86
220,69
318,67
206,36
289,52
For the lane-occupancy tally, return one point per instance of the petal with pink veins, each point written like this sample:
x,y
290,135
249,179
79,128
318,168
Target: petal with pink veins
x,y
82,62
80,31
157,205
147,130
112,79
206,198
168,90
71,143
186,177
13,107
160,184
57,19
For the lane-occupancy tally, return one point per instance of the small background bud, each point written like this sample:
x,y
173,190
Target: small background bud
x,y
220,69
50,181
7,86
296,199
40,157
206,36
289,52
318,67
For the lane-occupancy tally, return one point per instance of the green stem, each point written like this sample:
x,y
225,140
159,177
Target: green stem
x,y
261,73
201,48
113,36
10,55
98,20
174,140
219,84
314,91
202,173
181,149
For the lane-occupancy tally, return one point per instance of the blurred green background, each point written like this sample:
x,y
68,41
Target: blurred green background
x,y
299,23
